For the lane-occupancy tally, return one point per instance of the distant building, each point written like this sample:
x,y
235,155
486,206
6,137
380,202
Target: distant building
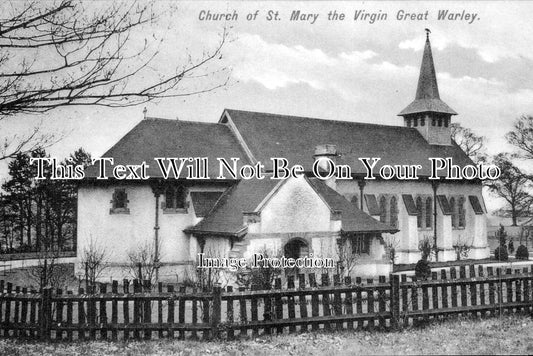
x,y
298,216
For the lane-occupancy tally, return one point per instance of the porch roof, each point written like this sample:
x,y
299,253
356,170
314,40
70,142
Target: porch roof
x,y
226,217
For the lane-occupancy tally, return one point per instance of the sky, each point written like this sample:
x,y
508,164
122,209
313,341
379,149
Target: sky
x,y
350,70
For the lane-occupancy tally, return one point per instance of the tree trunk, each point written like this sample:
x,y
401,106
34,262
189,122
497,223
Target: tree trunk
x,y
38,222
28,221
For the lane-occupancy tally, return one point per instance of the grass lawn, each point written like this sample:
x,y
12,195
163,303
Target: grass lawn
x,y
23,277
505,335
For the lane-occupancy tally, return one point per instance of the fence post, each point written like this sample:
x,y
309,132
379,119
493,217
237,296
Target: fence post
x,y
217,309
45,317
395,299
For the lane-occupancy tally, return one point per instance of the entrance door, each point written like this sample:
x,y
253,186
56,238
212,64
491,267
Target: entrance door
x,y
296,248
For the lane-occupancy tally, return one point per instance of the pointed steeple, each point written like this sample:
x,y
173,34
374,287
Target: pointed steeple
x,y
427,81
427,97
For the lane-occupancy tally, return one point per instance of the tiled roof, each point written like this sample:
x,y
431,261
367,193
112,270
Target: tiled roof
x,y
427,105
173,138
295,138
226,218
203,202
427,97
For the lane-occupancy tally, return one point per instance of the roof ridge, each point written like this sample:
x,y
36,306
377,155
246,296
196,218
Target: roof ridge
x,y
157,118
151,118
319,119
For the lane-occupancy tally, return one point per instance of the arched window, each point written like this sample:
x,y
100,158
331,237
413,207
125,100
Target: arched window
x,y
461,212
383,209
429,212
355,201
393,212
453,207
420,210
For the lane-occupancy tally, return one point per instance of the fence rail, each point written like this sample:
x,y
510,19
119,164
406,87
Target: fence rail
x,y
141,311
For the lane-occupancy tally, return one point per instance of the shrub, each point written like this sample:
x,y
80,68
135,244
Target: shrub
x,y
422,269
259,278
522,253
502,235
426,247
501,253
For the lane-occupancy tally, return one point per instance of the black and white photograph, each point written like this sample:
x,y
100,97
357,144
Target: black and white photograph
x,y
266,177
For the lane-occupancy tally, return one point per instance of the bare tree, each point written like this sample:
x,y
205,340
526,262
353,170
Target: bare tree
x,y
70,52
512,186
522,135
93,261
144,261
49,272
206,278
346,259
262,277
392,242
25,142
472,144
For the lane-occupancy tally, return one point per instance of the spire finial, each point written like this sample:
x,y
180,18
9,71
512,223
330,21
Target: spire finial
x,y
428,31
145,111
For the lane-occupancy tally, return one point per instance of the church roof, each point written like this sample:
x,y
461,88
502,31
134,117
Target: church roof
x,y
427,97
295,138
226,217
270,135
154,137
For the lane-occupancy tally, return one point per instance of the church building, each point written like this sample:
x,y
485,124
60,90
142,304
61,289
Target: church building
x,y
353,219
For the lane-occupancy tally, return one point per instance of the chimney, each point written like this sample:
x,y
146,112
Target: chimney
x,y
326,155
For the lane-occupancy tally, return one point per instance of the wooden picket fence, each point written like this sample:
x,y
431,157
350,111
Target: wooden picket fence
x,y
138,311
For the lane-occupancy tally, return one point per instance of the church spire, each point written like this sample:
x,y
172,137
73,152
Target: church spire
x,y
428,113
427,81
427,97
